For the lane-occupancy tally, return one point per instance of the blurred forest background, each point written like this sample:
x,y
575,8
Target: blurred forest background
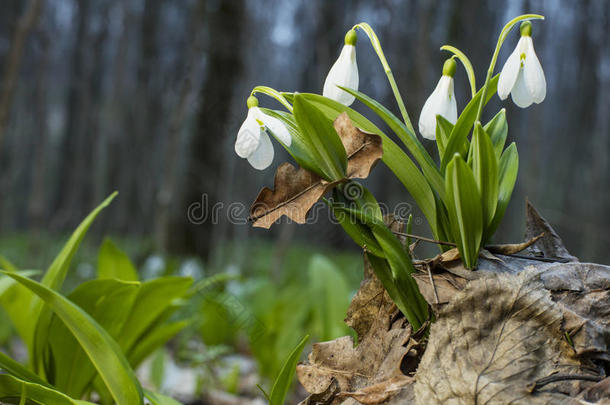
x,y
146,97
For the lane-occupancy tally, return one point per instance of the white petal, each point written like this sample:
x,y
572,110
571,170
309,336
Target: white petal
x,y
448,105
248,136
534,75
520,94
441,101
263,155
344,73
277,127
509,73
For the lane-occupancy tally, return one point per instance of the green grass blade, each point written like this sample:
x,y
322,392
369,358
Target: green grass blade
x,y
284,378
102,350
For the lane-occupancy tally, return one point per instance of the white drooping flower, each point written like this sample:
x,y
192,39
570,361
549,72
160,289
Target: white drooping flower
x,y
441,102
253,141
343,73
522,75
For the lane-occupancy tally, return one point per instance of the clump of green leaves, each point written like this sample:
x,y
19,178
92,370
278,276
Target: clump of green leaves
x,y
92,339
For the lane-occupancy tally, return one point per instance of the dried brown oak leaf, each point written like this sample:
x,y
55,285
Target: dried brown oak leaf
x,y
371,372
501,333
550,245
296,190
582,291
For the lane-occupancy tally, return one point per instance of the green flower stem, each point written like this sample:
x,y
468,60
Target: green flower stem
x,y
388,72
494,59
272,93
467,66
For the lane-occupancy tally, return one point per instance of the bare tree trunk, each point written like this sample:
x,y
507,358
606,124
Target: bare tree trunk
x,y
224,65
24,26
167,194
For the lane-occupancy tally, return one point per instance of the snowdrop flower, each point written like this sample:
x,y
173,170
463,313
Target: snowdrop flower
x,y
253,142
343,73
441,102
522,74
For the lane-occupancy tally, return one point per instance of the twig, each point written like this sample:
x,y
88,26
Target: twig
x,y
540,259
561,377
424,239
433,284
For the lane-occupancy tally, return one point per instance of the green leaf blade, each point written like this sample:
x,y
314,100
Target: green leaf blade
x,y
99,346
114,263
485,170
323,138
459,135
508,170
284,378
464,208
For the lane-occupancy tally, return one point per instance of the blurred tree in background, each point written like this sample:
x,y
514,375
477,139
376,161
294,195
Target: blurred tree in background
x,y
146,96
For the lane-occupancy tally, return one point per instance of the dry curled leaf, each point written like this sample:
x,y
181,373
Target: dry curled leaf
x,y
582,291
371,372
498,335
550,245
295,191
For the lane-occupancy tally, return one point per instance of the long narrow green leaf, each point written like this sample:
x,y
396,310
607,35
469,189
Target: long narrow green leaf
x,y
158,399
322,137
485,170
414,305
497,129
53,279
393,156
153,340
462,127
284,379
465,211
508,169
154,297
108,302
443,131
16,369
12,388
409,138
102,350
